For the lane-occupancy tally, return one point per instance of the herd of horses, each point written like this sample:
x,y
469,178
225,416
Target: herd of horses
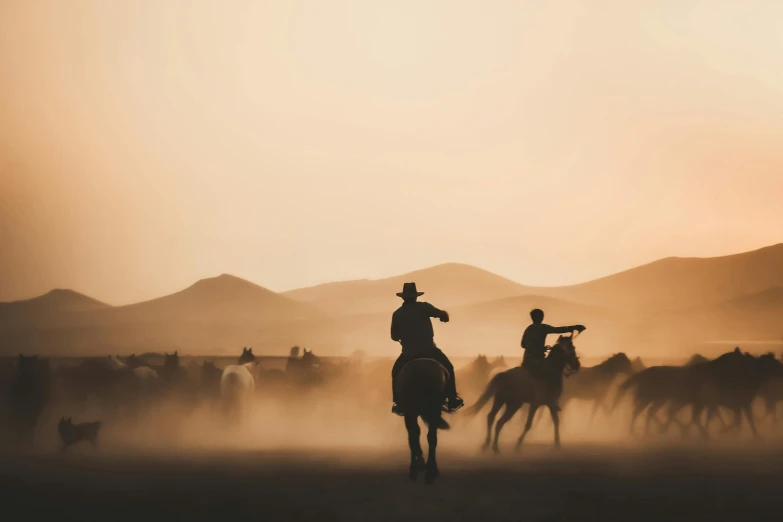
x,y
690,396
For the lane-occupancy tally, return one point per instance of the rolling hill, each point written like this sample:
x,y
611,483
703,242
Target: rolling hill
x,y
681,282
49,309
210,316
450,284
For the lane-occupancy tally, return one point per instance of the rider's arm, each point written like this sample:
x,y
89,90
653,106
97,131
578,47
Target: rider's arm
x,y
395,329
437,313
559,329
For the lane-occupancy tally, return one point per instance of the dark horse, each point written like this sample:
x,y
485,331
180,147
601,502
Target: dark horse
x,y
247,356
421,388
29,393
519,385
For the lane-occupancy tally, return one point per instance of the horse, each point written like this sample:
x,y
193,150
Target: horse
x,y
476,375
519,385
594,382
732,381
237,386
304,370
421,388
247,356
29,393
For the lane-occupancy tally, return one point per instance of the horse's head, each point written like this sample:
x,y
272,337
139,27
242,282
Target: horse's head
x,y
247,356
172,360
618,363
310,359
499,362
564,353
696,359
637,365
32,366
768,365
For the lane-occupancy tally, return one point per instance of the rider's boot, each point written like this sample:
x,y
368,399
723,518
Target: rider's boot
x,y
397,409
455,403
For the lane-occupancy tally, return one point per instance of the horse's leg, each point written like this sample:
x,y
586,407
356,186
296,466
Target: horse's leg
x,y
637,409
496,405
432,464
528,424
748,409
412,425
597,404
652,414
511,409
556,422
696,419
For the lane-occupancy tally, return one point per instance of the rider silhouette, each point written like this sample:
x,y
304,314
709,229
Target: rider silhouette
x,y
534,339
411,327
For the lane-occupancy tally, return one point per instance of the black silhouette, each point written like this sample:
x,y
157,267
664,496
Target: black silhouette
x,y
732,381
247,356
412,328
29,392
534,340
420,388
519,385
595,382
71,433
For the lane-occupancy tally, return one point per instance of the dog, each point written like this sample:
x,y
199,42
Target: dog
x,y
71,433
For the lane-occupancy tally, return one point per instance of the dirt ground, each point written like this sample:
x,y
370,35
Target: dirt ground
x,y
583,482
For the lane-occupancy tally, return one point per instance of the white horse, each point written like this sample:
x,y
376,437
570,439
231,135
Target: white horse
x,y
237,385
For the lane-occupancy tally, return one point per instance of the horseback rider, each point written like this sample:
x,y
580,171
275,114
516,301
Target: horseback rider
x,y
534,340
411,327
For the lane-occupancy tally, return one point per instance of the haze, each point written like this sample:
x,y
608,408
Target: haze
x,y
145,145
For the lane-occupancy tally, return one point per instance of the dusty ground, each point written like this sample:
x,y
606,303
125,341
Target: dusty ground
x,y
585,482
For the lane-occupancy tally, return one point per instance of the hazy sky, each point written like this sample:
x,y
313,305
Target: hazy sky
x,y
146,144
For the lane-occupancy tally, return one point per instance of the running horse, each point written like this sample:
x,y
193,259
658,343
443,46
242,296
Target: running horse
x,y
517,386
421,387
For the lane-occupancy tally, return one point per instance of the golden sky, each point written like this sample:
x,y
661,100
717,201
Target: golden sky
x,y
147,144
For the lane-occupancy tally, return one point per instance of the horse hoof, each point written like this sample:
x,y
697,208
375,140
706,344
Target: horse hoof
x,y
413,474
557,445
518,448
495,450
430,476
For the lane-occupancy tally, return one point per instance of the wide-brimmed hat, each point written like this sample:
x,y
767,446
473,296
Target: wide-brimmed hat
x,y
409,290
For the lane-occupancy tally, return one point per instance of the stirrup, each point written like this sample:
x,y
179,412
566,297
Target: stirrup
x,y
454,404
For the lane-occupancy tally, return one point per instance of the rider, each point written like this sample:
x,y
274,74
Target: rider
x,y
534,339
411,327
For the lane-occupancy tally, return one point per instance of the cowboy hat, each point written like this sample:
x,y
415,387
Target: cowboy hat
x,y
409,290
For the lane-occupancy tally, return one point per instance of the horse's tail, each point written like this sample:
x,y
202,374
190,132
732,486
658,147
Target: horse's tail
x,y
489,392
629,383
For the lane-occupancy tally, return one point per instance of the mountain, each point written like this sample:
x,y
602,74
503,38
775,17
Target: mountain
x,y
48,309
221,299
681,282
210,316
450,285
752,317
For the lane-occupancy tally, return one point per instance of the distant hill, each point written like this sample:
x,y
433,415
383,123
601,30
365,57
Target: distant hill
x,y
48,309
666,308
752,317
207,317
681,282
221,299
449,285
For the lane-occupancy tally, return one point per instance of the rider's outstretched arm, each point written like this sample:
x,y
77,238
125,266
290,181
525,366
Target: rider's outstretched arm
x,y
443,315
561,329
